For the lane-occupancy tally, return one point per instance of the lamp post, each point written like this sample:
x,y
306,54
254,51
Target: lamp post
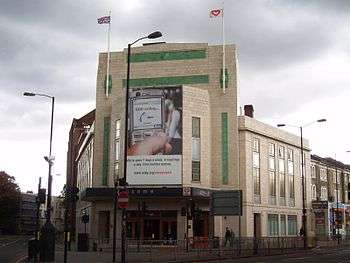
x,y
153,35
304,225
48,230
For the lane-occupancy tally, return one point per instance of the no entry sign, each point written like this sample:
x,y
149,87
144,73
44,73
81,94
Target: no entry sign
x,y
123,199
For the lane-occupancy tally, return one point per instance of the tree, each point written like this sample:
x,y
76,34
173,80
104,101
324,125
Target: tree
x,y
10,196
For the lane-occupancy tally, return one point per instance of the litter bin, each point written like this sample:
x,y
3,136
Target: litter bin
x,y
32,248
216,242
83,242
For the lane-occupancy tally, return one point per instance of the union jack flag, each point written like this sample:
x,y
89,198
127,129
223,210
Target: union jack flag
x,y
104,20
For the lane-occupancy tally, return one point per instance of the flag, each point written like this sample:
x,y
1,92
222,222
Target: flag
x,y
104,20
216,13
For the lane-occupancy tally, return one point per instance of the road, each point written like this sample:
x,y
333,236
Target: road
x,y
13,249
331,255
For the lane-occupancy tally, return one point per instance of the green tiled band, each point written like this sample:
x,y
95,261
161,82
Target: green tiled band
x,y
224,147
168,55
226,78
109,84
168,81
105,161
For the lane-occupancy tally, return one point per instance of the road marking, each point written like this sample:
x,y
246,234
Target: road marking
x,y
10,243
21,259
285,259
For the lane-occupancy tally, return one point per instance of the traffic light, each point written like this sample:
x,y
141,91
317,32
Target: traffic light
x,y
85,218
41,196
348,191
122,181
72,194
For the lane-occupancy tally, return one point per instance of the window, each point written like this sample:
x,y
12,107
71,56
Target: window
x,y
292,225
313,192
290,155
282,185
281,152
256,170
291,186
117,149
313,171
337,195
196,149
323,175
334,177
272,225
283,225
271,149
256,146
256,179
272,183
271,163
324,193
291,180
256,159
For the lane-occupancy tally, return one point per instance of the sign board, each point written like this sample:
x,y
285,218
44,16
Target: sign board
x,y
123,199
228,202
155,136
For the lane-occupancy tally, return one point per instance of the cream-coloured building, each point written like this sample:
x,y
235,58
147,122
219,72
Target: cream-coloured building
x,y
177,90
270,176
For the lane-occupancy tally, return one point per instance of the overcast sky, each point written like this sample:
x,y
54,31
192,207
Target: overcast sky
x,y
294,66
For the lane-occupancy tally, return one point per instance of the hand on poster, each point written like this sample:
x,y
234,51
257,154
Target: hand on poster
x,y
151,145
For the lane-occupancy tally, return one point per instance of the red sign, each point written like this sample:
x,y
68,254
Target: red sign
x,y
123,199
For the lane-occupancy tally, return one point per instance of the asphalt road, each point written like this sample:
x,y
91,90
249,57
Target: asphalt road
x,y
332,255
13,249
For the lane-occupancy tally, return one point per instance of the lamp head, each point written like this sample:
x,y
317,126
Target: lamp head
x,y
30,94
321,120
281,125
154,35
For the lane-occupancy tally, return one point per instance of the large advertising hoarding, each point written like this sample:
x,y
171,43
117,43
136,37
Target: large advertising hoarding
x,y
155,136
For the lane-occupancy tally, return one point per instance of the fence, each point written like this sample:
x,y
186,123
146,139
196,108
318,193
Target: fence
x,y
201,248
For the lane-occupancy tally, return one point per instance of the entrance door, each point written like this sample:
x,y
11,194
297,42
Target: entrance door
x,y
151,229
103,226
257,225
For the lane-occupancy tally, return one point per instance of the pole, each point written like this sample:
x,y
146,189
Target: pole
x,y
303,187
66,229
125,151
115,201
38,212
223,51
50,161
108,53
337,200
37,221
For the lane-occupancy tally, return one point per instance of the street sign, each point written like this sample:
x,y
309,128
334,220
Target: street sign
x,y
123,199
228,202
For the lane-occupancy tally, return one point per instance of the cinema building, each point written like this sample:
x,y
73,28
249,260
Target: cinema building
x,y
184,142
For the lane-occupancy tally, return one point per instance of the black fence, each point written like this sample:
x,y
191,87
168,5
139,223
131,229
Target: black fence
x,y
201,248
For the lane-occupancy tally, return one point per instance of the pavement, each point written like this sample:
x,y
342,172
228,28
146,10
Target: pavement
x,y
316,255
13,249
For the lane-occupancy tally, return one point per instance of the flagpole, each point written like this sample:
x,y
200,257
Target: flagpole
x,y
108,53
223,51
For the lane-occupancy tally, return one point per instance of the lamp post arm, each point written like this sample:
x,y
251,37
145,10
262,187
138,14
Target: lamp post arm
x,y
137,40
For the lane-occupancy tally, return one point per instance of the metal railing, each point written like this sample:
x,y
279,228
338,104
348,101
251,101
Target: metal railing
x,y
200,248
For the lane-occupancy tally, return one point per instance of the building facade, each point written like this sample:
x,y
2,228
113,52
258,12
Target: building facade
x,y
77,134
185,141
330,203
27,213
186,80
270,177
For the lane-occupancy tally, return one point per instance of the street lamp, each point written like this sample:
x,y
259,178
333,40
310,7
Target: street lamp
x,y
48,230
302,172
153,35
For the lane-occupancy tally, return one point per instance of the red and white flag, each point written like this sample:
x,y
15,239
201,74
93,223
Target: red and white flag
x,y
216,13
104,20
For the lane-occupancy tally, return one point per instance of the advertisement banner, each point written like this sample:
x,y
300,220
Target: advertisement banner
x,y
155,136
